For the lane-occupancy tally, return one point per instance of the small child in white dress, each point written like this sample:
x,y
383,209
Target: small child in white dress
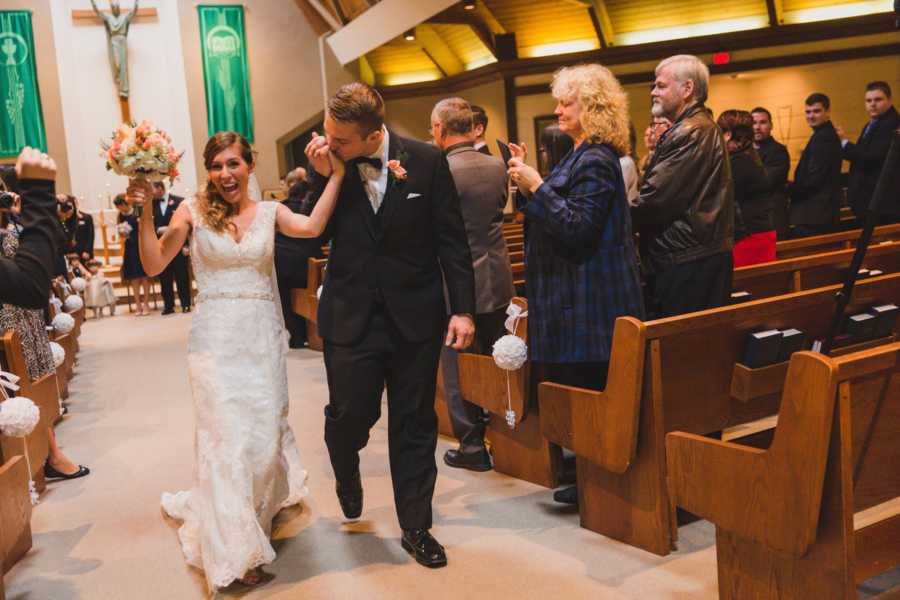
x,y
99,290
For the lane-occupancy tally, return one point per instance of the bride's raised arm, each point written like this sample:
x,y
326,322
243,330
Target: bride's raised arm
x,y
158,252
295,225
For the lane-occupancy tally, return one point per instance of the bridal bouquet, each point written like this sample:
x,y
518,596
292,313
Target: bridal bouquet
x,y
141,152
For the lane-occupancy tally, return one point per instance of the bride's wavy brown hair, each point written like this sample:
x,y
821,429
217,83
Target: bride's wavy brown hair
x,y
215,211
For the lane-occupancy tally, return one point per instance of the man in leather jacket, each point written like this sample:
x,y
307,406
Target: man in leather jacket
x,y
685,213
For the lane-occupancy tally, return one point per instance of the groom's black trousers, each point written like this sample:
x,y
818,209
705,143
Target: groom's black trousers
x,y
357,375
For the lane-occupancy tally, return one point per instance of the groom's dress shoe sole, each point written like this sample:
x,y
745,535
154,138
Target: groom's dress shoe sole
x,y
425,549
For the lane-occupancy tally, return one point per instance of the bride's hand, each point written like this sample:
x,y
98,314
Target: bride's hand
x,y
139,192
337,165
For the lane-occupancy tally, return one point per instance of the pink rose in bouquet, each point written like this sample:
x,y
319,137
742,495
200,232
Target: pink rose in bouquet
x,y
141,151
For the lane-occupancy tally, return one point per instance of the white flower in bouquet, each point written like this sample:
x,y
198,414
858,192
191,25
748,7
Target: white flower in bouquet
x,y
63,323
59,354
73,303
18,417
142,152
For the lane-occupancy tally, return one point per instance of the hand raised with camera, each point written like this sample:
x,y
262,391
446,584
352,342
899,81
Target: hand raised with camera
x,y
34,164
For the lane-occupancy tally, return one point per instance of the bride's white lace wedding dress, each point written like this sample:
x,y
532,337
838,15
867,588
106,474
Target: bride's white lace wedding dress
x,y
247,466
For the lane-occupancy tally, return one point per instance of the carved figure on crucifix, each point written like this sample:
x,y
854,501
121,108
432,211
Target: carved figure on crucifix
x,y
117,41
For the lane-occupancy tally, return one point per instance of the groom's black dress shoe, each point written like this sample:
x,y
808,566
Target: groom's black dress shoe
x,y
424,548
350,495
473,461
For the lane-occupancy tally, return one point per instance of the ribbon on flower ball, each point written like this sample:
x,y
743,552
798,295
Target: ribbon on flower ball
x,y
510,353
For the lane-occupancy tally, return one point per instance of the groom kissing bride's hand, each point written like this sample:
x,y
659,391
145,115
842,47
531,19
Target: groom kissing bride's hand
x,y
397,236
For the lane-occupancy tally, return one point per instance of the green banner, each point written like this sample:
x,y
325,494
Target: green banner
x,y
224,47
21,119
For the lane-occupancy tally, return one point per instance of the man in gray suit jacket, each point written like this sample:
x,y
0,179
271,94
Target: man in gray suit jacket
x,y
481,182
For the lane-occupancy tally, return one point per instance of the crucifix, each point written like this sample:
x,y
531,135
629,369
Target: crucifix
x,y
117,22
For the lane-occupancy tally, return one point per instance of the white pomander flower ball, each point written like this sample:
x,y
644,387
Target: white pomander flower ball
x,y
59,354
63,323
18,417
73,303
510,352
79,283
319,293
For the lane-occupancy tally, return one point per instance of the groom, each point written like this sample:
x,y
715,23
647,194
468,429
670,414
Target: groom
x,y
397,227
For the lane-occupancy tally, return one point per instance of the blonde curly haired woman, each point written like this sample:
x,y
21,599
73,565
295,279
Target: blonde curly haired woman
x,y
581,263
247,466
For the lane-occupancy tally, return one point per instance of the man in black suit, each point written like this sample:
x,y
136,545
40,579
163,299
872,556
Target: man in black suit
x,y
777,163
867,155
292,256
479,129
164,205
816,190
396,228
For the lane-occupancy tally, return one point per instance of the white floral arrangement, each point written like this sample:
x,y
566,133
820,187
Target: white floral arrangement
x,y
79,283
510,352
63,323
18,417
141,151
59,354
73,303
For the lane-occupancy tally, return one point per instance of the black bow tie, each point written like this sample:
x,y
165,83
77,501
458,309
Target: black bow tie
x,y
368,160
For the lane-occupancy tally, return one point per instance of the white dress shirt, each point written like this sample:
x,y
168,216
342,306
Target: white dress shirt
x,y
375,181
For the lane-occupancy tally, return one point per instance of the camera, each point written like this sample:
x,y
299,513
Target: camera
x,y
8,185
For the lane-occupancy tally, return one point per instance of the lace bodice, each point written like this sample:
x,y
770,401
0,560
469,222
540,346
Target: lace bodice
x,y
225,268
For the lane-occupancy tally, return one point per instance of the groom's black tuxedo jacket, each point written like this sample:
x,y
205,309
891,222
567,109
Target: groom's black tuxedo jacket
x,y
396,257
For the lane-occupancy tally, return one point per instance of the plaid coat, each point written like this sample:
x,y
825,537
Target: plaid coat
x,y
580,258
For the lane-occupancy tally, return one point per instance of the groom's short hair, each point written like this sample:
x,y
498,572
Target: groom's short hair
x,y
360,104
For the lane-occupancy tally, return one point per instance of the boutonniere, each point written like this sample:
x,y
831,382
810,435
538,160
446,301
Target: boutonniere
x,y
395,168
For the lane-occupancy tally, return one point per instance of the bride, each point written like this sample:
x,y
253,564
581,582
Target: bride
x,y
246,465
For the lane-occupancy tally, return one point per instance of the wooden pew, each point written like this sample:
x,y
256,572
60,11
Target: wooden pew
x,y
305,301
43,393
812,271
15,512
785,516
677,374
832,241
521,452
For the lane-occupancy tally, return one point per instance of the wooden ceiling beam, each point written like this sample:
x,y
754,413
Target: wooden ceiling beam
x,y
776,12
438,51
742,40
481,21
601,15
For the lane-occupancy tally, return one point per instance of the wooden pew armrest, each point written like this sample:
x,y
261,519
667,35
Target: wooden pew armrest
x,y
769,496
601,426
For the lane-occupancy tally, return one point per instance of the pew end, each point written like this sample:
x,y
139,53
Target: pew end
x,y
43,392
601,427
815,514
15,512
769,496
